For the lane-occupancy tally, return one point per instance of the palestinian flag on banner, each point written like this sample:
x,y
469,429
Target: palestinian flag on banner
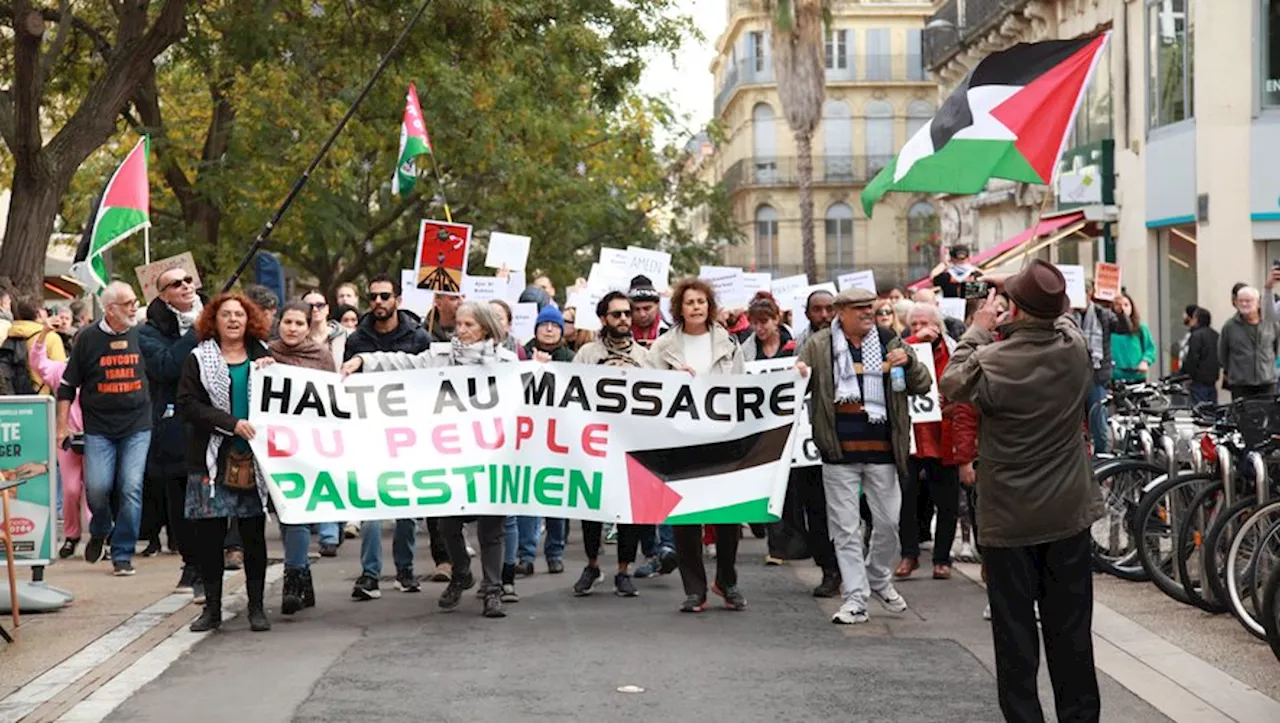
x,y
414,142
124,208
1009,119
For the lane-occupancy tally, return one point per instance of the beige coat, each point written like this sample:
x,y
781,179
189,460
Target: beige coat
x,y
668,351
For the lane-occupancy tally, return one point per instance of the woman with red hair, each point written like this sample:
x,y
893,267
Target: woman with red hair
x,y
223,481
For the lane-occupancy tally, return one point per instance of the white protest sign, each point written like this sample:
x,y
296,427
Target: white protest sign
x,y
754,283
664,306
508,250
654,264
515,286
150,273
926,407
1074,276
616,260
865,280
606,278
523,438
524,319
799,320
585,302
785,289
952,308
419,301
483,288
726,282
804,452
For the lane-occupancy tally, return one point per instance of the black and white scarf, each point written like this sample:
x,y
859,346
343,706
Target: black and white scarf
x,y
215,376
871,393
481,352
618,351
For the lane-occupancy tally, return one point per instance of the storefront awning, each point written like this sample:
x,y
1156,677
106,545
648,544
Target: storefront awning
x,y
1048,231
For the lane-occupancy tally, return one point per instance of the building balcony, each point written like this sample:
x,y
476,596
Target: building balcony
x,y
782,171
968,19
870,69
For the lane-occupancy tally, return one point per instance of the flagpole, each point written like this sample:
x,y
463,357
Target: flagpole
x,y
448,216
265,233
146,245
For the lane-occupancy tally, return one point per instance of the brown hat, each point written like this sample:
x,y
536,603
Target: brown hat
x,y
1039,289
855,297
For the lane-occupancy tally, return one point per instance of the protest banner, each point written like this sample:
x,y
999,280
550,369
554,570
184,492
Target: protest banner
x,y
654,264
149,273
580,442
1106,281
507,250
804,453
27,455
926,407
442,256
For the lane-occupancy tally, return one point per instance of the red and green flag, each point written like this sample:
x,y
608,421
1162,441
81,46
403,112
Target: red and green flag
x,y
124,208
1009,119
414,142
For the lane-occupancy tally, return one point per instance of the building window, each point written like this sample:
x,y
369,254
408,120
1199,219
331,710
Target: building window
x,y
766,237
915,58
839,238
922,237
837,49
879,132
919,113
837,141
763,135
879,61
757,50
1270,52
1170,42
1094,121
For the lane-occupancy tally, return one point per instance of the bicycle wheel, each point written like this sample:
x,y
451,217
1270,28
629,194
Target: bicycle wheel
x,y
1217,544
1254,552
1114,546
1164,508
1191,569
1271,612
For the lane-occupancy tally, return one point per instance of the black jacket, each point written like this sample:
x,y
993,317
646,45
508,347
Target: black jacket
x,y
561,353
164,350
408,337
203,420
1202,363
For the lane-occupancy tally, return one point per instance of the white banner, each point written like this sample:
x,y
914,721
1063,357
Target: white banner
x,y
559,440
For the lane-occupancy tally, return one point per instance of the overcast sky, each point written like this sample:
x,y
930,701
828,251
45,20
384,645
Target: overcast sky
x,y
687,82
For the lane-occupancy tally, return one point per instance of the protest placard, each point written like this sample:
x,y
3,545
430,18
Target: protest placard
x,y
524,319
858,280
419,301
654,264
149,273
753,283
442,256
1106,281
1074,276
484,288
926,407
952,308
727,283
785,289
507,250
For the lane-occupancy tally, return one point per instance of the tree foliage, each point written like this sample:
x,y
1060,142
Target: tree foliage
x,y
532,107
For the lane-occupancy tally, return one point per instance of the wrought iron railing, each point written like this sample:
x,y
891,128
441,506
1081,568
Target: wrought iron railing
x,y
784,171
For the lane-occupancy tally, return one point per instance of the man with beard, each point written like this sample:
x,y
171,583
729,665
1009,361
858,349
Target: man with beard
x,y
166,341
646,320
806,482
387,328
615,348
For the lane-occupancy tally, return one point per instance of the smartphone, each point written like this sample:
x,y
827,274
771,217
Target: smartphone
x,y
976,289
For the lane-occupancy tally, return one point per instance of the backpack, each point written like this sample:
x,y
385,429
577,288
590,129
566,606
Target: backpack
x,y
15,375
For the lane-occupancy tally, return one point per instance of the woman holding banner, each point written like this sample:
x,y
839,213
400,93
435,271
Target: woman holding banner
x,y
223,482
477,341
700,346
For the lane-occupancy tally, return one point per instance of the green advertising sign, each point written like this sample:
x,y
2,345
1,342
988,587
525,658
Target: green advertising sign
x,y
27,453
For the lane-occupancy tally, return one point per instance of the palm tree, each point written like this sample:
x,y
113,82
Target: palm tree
x,y
800,71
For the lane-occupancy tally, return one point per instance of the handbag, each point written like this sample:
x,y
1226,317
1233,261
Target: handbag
x,y
239,472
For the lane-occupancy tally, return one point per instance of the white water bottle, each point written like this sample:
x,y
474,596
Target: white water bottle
x,y
897,379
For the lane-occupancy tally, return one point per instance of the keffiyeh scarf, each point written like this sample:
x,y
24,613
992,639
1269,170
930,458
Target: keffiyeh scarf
x,y
871,392
618,352
482,352
215,377
187,319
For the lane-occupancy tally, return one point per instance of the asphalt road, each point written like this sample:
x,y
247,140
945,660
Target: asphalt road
x,y
557,657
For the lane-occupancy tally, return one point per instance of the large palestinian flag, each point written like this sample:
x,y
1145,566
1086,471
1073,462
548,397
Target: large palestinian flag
x,y
1009,119
124,208
414,142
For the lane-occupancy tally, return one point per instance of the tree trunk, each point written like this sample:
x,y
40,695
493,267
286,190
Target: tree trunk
x,y
32,210
804,165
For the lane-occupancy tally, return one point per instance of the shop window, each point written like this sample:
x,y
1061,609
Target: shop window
x,y
1170,50
1270,47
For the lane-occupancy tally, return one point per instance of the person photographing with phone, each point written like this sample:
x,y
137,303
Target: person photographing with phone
x,y
1037,497
952,274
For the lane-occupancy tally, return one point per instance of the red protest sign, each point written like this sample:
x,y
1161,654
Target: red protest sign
x,y
442,256
1106,281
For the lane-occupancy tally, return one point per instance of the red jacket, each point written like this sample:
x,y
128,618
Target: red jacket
x,y
954,440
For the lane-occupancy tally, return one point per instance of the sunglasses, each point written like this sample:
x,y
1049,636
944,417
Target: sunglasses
x,y
619,314
884,312
178,282
380,296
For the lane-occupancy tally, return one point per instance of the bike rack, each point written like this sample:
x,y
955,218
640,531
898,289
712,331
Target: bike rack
x,y
1261,481
1148,446
1225,469
1167,446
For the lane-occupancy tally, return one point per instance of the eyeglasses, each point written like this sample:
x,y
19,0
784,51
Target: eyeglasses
x,y
380,296
884,312
318,305
619,314
130,304
178,282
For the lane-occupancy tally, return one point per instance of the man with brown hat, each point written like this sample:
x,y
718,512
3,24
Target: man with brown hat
x,y
862,428
1036,494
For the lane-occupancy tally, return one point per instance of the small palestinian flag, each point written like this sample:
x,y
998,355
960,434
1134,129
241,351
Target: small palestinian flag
x,y
1009,119
414,142
124,208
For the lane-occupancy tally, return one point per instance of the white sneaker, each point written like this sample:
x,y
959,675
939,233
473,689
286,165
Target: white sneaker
x,y
709,551
967,553
848,616
986,612
890,599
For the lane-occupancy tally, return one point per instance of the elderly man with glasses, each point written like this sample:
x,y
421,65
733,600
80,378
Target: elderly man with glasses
x,y
107,371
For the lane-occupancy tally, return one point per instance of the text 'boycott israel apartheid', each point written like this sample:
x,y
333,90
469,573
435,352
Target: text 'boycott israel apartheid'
x,y
639,446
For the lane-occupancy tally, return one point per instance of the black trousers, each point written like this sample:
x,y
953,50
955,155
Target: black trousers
x,y
157,513
1059,576
628,540
209,536
693,573
439,552
942,483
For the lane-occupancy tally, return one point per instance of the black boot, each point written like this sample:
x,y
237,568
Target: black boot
x,y
258,622
211,618
291,595
830,585
308,590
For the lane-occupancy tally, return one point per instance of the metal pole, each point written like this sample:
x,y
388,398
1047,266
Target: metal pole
x,y
265,233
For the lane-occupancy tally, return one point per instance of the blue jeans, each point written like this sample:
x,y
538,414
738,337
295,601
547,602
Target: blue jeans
x,y
116,466
403,540
521,538
297,538
1201,393
329,532
557,533
655,538
1098,418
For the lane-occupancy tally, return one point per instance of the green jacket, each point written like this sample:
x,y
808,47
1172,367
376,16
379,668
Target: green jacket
x,y
1130,350
822,392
